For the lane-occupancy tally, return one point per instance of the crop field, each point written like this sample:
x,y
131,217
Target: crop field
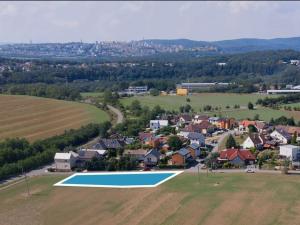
x,y
222,199
36,118
222,100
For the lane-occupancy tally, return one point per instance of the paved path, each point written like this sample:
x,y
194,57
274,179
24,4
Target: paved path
x,y
221,139
120,116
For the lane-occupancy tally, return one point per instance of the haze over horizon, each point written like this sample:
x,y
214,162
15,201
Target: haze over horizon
x,y
42,22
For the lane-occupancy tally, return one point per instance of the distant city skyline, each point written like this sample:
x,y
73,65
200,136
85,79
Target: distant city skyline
x,y
42,22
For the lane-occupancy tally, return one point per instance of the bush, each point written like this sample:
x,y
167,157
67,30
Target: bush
x,y
165,166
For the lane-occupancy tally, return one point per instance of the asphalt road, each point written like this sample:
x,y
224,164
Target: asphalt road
x,y
221,139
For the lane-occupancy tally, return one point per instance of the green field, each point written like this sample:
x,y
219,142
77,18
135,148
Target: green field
x,y
91,94
222,199
37,118
215,99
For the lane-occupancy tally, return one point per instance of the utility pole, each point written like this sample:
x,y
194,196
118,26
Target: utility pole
x,y
198,173
25,177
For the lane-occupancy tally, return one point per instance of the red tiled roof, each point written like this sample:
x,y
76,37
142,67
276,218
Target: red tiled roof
x,y
260,125
246,123
231,154
143,136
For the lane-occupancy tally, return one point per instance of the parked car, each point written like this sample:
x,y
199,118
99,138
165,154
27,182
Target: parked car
x,y
249,170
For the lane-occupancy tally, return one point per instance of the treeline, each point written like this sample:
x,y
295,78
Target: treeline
x,y
18,154
112,164
259,65
283,121
141,117
61,92
271,102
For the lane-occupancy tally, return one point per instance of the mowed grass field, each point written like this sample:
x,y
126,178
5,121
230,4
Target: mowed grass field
x,y
92,94
37,118
222,199
215,99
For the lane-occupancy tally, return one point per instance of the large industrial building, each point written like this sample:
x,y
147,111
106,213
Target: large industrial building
x,y
290,90
193,86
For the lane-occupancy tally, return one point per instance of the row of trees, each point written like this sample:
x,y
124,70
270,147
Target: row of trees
x,y
112,164
18,154
42,90
270,102
142,115
283,121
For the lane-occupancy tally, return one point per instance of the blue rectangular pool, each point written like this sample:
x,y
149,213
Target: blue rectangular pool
x,y
118,179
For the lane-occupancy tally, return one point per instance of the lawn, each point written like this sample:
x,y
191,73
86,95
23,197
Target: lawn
x,y
222,100
91,94
37,118
216,199
197,100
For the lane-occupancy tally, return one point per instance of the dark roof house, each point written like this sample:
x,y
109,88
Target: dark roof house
x,y
109,144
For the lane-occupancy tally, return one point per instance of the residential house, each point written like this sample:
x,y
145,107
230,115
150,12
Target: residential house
x,y
196,138
194,150
138,154
261,126
291,130
222,123
202,127
243,125
145,137
181,157
158,124
236,157
254,140
200,118
281,136
105,144
85,156
213,120
290,151
152,158
65,161
101,152
184,119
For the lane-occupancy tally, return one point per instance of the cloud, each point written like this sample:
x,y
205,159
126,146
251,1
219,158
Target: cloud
x,y
132,6
68,24
185,7
208,20
7,9
240,7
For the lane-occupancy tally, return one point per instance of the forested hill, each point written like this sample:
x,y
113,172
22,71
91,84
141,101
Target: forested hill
x,y
262,65
235,45
248,44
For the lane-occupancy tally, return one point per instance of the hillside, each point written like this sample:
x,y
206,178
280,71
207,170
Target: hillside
x,y
253,44
37,118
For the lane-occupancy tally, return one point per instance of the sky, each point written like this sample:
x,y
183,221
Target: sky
x,y
124,21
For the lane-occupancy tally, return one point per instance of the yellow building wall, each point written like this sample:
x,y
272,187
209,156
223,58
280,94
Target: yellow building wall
x,y
182,91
